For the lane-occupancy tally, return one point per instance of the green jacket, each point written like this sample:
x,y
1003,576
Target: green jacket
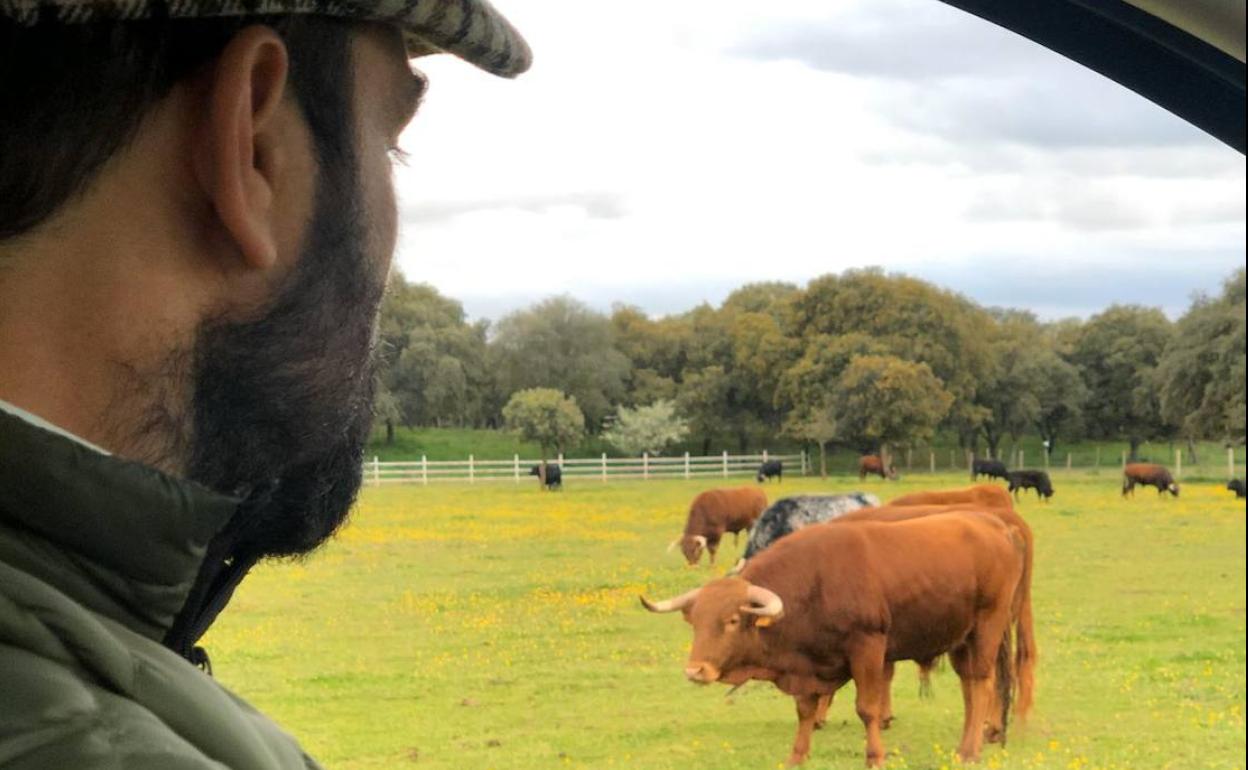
x,y
97,557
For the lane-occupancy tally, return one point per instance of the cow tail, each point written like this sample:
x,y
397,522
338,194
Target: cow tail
x,y
1005,681
1025,659
1025,641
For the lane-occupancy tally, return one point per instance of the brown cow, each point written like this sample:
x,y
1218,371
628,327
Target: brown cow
x,y
715,512
872,465
1026,652
1148,475
836,602
986,495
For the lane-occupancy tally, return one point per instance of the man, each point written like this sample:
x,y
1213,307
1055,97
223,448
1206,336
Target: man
x,y
196,223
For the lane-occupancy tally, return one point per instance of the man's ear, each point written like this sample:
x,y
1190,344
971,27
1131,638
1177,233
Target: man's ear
x,y
241,152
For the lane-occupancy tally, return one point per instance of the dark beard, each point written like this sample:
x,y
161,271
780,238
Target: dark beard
x,y
282,404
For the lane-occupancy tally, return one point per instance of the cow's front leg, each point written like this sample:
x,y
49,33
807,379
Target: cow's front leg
x,y
821,713
807,709
961,660
712,545
866,665
994,713
886,712
974,661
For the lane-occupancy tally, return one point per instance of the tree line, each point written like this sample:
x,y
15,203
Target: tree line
x,y
862,359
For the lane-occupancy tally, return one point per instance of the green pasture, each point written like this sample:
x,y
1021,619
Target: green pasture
x,y
453,627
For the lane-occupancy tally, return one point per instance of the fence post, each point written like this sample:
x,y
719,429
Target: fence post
x,y
953,458
970,460
424,469
804,466
1046,458
472,475
931,457
1230,463
515,462
764,455
725,463
908,457
1124,460
1069,464
645,466
376,471
686,465
1098,457
560,461
604,467
1178,465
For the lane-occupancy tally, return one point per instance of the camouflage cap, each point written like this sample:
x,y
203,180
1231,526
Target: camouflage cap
x,y
471,29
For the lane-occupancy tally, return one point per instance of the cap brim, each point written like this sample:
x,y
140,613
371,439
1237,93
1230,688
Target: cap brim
x,y
470,29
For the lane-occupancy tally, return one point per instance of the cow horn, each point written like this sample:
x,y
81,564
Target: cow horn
x,y
701,540
671,605
763,602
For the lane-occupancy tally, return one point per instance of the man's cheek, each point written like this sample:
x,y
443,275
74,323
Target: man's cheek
x,y
382,214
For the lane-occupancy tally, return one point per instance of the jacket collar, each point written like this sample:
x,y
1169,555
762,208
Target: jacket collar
x,y
121,538
38,421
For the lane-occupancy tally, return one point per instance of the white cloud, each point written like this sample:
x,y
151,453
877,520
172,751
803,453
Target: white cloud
x,y
645,158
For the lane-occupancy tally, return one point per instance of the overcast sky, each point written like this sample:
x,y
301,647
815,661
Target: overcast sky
x,y
663,153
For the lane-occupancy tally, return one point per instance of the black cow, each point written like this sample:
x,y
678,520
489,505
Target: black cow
x,y
789,514
1236,486
769,469
1037,480
554,477
993,469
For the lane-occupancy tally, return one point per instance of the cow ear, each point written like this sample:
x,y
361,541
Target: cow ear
x,y
763,621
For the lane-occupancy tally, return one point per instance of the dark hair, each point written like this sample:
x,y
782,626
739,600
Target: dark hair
x,y
72,96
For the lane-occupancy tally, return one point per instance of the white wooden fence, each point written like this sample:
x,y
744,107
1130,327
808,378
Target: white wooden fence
x,y
516,470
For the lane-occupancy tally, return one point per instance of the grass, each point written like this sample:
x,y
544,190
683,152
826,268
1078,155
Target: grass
x,y
498,627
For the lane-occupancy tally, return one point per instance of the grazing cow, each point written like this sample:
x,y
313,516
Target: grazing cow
x,y
715,512
1236,486
872,465
1037,480
554,476
789,514
993,469
1026,652
986,495
842,601
769,469
1148,475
